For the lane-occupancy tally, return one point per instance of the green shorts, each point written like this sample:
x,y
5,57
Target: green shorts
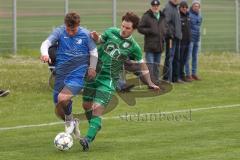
x,y
99,90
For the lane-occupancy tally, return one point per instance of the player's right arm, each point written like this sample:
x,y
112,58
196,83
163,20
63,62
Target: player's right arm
x,y
95,36
44,51
93,57
52,38
103,37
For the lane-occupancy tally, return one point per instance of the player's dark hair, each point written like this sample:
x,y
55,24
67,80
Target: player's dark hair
x,y
131,17
72,19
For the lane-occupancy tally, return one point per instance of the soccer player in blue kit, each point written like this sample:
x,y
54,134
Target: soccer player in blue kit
x,y
76,56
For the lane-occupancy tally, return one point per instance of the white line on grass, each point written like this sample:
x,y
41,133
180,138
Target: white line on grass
x,y
122,116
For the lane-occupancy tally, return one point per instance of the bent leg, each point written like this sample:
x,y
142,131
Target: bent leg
x,y
87,106
64,103
95,122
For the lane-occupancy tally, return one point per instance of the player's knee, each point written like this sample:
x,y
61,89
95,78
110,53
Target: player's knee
x,y
63,98
98,110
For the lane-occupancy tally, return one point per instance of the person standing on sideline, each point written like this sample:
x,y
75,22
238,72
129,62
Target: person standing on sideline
x,y
186,37
171,64
76,56
154,27
196,21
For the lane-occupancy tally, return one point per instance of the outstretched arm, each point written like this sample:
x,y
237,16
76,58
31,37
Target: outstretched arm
x,y
96,37
146,76
44,51
52,39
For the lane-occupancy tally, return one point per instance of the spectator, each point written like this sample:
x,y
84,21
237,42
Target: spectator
x,y
171,64
153,27
186,37
196,21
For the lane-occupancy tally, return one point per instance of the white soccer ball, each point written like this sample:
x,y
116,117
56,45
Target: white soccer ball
x,y
63,141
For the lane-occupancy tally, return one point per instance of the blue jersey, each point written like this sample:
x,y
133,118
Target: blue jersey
x,y
70,47
196,21
72,59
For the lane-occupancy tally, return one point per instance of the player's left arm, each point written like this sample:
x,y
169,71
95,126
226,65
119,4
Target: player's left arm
x,y
146,76
93,63
93,59
144,68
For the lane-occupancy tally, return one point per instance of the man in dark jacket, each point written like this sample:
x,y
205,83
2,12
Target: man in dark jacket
x,y
154,27
186,37
171,64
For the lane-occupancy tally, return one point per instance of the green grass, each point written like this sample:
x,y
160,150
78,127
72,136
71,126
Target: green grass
x,y
210,134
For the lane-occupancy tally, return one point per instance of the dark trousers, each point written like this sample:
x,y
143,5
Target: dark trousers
x,y
172,61
184,48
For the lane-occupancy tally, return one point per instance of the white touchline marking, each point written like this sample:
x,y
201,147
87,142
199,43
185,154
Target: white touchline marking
x,y
118,117
178,111
31,126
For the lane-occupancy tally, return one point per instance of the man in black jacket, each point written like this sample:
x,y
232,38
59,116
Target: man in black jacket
x,y
154,27
186,37
171,64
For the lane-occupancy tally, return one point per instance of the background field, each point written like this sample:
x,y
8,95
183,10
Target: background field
x,y
37,18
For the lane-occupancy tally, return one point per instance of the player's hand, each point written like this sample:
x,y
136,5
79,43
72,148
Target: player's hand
x,y
95,36
91,73
45,59
154,87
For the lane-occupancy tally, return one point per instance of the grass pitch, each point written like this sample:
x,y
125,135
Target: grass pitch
x,y
203,122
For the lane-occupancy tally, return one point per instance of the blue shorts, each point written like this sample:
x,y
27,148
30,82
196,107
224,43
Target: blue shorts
x,y
74,81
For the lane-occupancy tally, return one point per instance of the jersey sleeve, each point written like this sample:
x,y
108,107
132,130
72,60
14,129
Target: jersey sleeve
x,y
91,44
108,32
104,36
55,35
136,54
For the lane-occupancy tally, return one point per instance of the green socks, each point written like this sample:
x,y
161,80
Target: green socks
x,y
88,115
94,127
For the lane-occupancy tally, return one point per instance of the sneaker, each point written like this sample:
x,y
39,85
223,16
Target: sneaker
x,y
76,131
69,126
179,81
185,79
189,78
195,77
4,93
84,143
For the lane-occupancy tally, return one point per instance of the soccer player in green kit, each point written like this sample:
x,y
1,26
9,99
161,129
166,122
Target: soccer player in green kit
x,y
116,46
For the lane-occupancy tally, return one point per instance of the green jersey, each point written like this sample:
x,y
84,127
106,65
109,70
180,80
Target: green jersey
x,y
115,50
111,55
